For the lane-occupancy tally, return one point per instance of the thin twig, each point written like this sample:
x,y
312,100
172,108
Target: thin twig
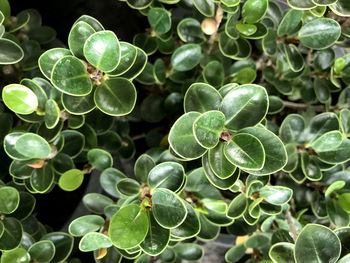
x,y
292,227
295,105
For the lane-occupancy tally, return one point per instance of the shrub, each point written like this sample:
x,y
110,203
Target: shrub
x,y
248,104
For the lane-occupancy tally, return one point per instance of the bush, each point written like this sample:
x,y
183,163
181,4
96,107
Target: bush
x,y
245,106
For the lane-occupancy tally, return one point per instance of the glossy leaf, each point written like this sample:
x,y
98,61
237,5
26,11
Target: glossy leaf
x,y
115,97
63,244
42,251
159,19
78,34
93,241
238,104
69,76
49,58
320,33
71,180
102,50
317,235
33,146
100,159
128,227
327,142
85,224
254,10
168,209
10,52
19,99
186,57
282,252
276,195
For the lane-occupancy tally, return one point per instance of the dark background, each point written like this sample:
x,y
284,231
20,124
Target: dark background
x,y
61,14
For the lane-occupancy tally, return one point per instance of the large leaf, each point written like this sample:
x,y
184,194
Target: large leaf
x,y
239,104
169,175
276,195
219,164
275,152
85,224
79,33
201,97
182,139
49,58
159,19
10,198
325,246
128,227
70,76
186,57
207,128
143,165
102,50
19,99
190,227
320,33
282,252
100,159
71,180
157,237
116,97
17,255
254,10
63,244
33,146
42,251
11,238
168,209
245,151
10,52
93,241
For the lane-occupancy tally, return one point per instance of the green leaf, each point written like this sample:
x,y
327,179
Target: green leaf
x,y
339,155
109,179
9,146
324,2
159,71
102,50
189,30
128,187
157,237
246,76
186,57
320,33
17,255
341,7
291,128
310,167
168,209
201,97
337,185
10,198
10,52
214,74
326,245
219,164
205,7
345,121
159,19
11,238
152,109
237,206
228,46
70,76
142,167
275,156
42,179
223,184
42,251
208,127
240,102
246,29
327,142
52,114
301,4
19,99
321,124
85,224
33,146
71,180
115,97
254,10
245,151
189,251
100,159
146,42
96,25
49,58
322,90
182,139
294,58
93,241
290,23
235,253
257,240
63,244
128,227
336,214
74,142
127,59
78,34
96,202
276,195
190,227
344,234
324,59
282,252
344,200
169,175
78,105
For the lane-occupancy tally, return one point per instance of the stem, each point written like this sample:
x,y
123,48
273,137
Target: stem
x,y
292,227
138,136
218,19
295,105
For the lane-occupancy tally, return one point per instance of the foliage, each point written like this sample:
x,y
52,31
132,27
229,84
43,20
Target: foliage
x,y
249,106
